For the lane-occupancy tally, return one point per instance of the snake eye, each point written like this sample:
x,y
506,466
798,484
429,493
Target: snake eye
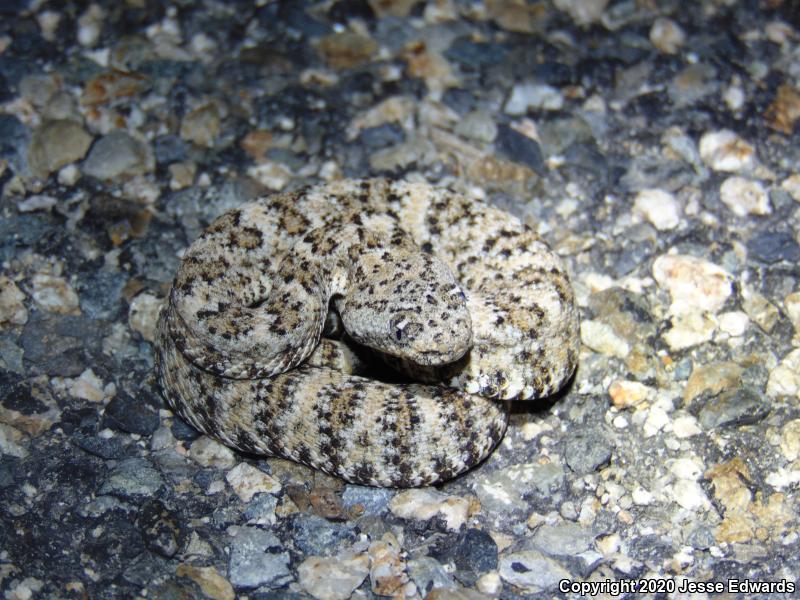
x,y
404,329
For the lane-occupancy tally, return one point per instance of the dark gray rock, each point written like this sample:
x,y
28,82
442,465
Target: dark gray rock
x,y
55,343
519,148
472,54
562,539
261,510
145,569
183,432
742,406
473,550
382,136
132,479
131,415
772,246
100,294
118,154
587,451
11,355
427,573
373,501
314,535
14,140
169,149
532,571
159,528
257,559
107,448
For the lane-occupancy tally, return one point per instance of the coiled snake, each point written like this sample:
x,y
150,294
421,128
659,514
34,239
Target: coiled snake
x,y
457,294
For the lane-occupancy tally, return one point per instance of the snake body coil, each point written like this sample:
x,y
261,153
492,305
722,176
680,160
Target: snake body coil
x,y
455,293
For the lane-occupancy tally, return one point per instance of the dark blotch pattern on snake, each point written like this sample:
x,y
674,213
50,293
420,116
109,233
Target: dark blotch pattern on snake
x,y
459,295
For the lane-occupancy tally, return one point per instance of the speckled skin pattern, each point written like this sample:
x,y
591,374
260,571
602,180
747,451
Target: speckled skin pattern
x,y
459,295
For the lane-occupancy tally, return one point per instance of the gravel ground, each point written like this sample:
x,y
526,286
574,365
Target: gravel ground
x,y
654,146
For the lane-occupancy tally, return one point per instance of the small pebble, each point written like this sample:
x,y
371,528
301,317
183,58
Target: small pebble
x,y
210,453
791,303
247,481
784,379
118,154
734,95
745,196
771,246
202,125
90,25
602,338
667,36
12,303
587,451
608,544
257,558
272,175
54,294
659,207
711,380
656,420
346,50
143,315
423,504
392,8
428,573
641,497
132,479
261,510
733,323
689,329
490,583
387,570
723,150
182,175
520,17
532,571
742,406
687,468
37,202
760,310
126,413
790,440
477,125
12,441
784,112
689,495
56,144
210,581
792,185
532,96
693,283
69,175
583,12
333,578
685,427
88,387
626,394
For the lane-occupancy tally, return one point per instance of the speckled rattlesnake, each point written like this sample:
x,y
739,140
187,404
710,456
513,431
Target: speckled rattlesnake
x,y
453,289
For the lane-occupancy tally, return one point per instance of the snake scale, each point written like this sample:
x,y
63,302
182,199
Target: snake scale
x,y
458,295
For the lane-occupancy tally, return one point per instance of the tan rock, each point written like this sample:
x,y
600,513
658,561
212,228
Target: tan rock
x,y
213,584
626,394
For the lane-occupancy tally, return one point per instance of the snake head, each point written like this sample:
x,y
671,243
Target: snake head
x,y
407,305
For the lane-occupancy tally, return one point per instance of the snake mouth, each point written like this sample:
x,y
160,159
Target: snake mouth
x,y
434,358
